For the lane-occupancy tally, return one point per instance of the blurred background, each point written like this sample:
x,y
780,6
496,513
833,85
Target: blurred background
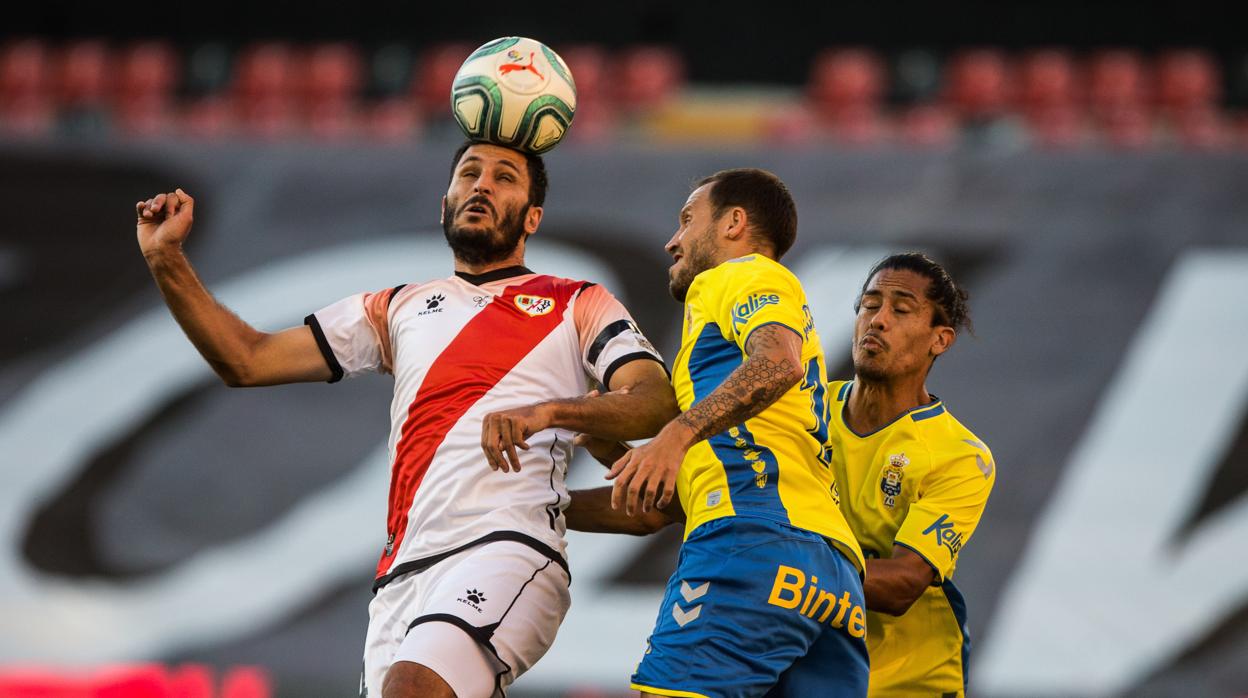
x,y
1082,169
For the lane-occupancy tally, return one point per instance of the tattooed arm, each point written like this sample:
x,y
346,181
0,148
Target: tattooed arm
x,y
646,475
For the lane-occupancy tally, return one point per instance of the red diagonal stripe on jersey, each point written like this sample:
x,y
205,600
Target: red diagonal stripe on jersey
x,y
484,351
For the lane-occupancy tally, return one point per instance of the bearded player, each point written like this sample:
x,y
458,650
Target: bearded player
x,y
913,481
473,581
766,598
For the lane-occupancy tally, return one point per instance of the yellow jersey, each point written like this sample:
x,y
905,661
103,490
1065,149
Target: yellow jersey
x,y
920,482
776,465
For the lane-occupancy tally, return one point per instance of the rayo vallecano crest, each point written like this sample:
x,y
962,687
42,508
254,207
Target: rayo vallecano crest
x,y
890,483
535,305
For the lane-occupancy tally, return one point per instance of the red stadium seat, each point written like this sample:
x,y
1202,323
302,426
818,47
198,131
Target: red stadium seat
x,y
1057,126
1049,78
393,120
27,116
265,90
856,125
84,75
588,63
1117,79
333,119
333,72
144,115
1128,126
844,78
1188,79
25,69
927,125
148,68
648,76
208,117
191,681
433,73
1201,128
595,121
978,83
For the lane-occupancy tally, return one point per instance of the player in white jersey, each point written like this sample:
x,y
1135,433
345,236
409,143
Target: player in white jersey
x,y
488,364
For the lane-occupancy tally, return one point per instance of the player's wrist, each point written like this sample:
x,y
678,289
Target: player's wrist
x,y
162,253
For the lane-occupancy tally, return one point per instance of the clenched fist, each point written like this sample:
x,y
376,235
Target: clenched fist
x,y
164,221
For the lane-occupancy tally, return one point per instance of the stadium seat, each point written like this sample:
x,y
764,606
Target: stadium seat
x,y
333,72
208,117
246,682
148,68
433,74
1128,126
389,71
915,77
84,75
856,125
144,115
590,62
27,116
393,120
332,119
927,125
648,76
1049,78
1200,128
1057,126
1117,79
845,78
24,69
977,83
265,90
191,681
1188,79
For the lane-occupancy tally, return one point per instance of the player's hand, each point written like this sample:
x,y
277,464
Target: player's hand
x,y
164,220
604,451
645,477
503,432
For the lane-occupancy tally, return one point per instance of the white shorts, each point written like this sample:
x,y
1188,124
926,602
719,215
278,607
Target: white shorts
x,y
479,618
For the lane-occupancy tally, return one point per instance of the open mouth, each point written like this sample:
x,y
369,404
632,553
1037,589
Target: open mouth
x,y
479,207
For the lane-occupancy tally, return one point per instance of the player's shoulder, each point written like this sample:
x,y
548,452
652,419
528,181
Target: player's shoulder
x,y
752,271
948,439
561,285
839,389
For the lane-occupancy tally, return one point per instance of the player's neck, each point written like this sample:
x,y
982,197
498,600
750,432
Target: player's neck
x,y
874,404
516,259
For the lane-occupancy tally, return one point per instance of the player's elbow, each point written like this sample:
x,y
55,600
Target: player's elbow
x,y
895,606
236,375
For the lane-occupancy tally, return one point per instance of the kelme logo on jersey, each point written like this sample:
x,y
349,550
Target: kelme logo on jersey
x,y
942,529
473,599
534,306
744,310
890,481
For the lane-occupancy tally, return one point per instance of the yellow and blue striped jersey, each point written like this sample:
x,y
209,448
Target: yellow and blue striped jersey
x,y
920,482
776,465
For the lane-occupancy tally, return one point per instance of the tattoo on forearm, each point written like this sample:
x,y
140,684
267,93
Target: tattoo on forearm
x,y
748,390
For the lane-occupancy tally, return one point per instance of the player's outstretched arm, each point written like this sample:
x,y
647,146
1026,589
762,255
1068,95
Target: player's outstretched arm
x,y
639,403
590,511
892,586
646,475
240,354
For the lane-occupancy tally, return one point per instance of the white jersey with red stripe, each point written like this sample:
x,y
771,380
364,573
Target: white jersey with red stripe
x,y
460,348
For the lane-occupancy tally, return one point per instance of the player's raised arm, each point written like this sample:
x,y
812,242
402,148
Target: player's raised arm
x,y
646,475
240,354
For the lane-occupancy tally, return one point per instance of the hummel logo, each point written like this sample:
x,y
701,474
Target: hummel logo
x,y
690,594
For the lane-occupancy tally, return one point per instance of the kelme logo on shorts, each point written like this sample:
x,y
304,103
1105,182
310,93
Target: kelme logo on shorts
x,y
789,590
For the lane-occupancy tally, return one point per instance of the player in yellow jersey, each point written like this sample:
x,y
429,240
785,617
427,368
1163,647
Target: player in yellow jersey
x,y
912,480
766,598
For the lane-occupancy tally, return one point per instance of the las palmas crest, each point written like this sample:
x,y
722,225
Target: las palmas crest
x,y
890,483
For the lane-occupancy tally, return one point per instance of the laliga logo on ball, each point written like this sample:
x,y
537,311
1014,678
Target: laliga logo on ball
x,y
514,92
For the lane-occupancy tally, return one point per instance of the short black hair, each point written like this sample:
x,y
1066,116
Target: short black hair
x,y
766,201
535,164
950,299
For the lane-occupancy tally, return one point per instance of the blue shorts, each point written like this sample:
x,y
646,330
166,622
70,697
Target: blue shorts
x,y
758,608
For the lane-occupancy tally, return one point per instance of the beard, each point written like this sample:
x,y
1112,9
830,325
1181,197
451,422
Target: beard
x,y
482,246
699,256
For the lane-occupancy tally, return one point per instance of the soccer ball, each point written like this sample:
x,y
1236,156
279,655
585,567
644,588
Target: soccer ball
x,y
515,92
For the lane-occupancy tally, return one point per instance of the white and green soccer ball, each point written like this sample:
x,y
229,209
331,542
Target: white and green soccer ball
x,y
515,92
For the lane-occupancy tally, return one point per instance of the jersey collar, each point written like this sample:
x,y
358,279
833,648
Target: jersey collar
x,y
493,275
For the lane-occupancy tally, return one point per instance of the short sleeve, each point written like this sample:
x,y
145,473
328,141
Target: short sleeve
x,y
354,334
609,337
948,508
754,296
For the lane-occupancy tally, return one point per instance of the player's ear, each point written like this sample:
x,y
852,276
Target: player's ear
x,y
442,216
734,222
532,219
943,338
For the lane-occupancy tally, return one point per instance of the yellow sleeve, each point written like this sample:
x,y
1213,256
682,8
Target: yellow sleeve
x,y
947,510
752,296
